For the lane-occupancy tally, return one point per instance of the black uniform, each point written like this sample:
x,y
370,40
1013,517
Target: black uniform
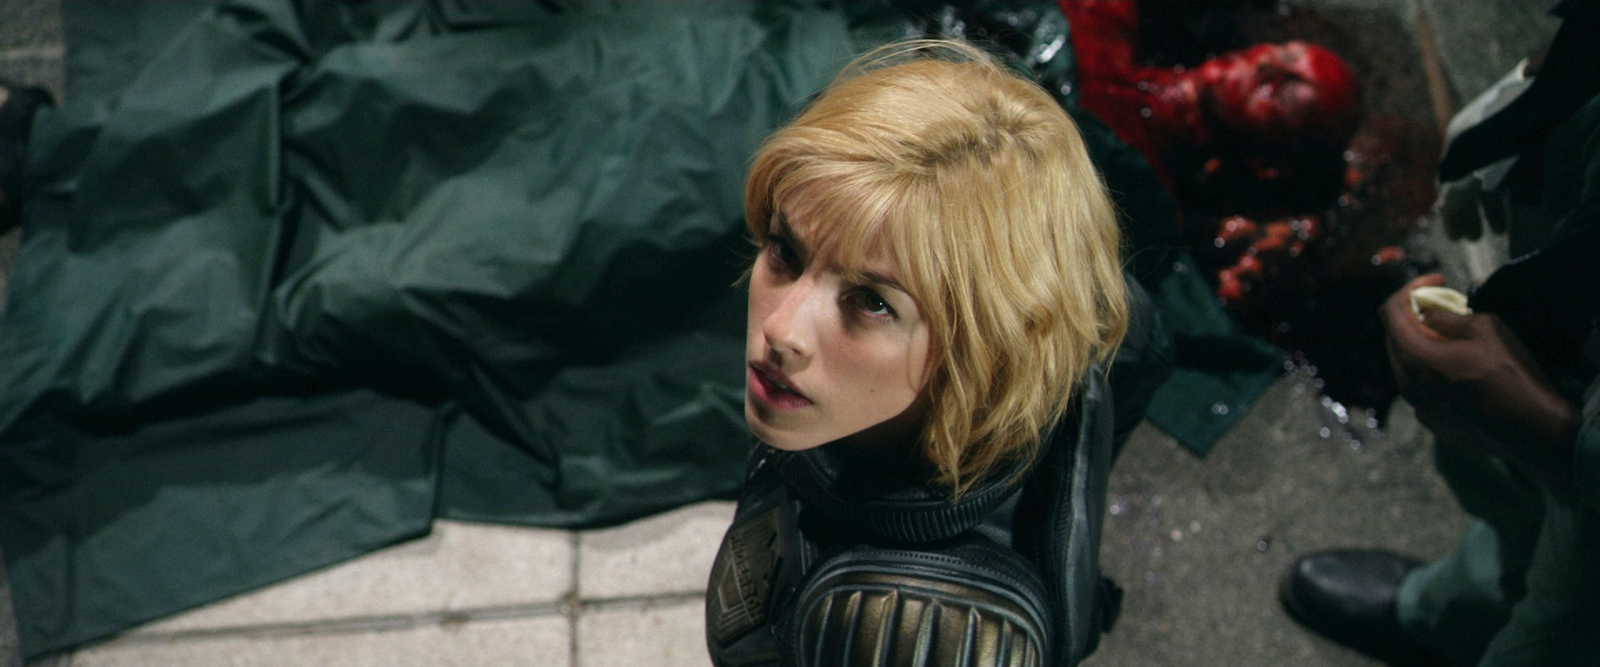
x,y
842,558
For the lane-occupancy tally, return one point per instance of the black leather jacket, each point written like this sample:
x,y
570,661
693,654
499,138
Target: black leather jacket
x,y
837,560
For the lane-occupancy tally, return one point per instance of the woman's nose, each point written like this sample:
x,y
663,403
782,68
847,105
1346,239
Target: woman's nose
x,y
790,327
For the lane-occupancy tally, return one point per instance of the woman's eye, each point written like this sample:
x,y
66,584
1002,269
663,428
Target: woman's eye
x,y
782,255
870,303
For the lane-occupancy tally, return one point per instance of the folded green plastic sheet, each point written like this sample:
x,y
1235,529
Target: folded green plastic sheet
x,y
296,279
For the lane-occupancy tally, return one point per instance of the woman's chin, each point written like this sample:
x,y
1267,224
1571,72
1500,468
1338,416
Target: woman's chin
x,y
778,438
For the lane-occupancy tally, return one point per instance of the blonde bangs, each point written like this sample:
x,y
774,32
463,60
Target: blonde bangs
x,y
862,203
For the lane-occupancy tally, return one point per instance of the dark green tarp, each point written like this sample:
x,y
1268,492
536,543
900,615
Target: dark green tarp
x,y
298,278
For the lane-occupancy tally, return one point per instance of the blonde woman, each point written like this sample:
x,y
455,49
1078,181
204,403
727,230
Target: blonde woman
x,y
937,286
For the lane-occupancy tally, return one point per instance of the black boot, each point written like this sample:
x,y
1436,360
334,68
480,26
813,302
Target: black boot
x,y
1349,597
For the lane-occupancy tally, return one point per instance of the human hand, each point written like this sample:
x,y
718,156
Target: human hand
x,y
1473,383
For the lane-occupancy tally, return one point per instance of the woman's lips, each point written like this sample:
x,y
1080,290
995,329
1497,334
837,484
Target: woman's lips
x,y
773,391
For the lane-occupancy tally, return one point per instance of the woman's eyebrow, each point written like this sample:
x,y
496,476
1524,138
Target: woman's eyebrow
x,y
880,279
786,233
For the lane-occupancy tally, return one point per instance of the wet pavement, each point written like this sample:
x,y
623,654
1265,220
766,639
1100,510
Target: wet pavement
x,y
1198,545
1201,545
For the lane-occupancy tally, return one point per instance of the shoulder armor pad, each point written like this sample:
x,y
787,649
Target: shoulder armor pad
x,y
960,606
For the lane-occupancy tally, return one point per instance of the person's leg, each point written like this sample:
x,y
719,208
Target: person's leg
x,y
1455,605
1558,621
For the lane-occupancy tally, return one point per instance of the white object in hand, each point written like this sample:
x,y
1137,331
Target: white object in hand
x,y
1430,299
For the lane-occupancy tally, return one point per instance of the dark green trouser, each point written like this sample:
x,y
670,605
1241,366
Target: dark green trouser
x,y
1523,586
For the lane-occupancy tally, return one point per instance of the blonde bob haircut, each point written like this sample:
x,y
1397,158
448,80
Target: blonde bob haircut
x,y
980,188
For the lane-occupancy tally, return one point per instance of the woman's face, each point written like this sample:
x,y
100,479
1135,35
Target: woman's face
x,y
827,358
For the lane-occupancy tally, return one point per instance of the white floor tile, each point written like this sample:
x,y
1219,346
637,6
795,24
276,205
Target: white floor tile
x,y
658,636
527,642
664,554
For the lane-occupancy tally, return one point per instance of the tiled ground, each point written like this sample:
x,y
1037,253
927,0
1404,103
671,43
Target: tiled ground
x,y
468,594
